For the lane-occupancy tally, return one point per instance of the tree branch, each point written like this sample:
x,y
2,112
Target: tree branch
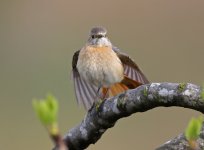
x,y
180,143
104,115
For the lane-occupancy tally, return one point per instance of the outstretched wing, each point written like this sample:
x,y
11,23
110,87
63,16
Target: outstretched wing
x,y
130,67
85,92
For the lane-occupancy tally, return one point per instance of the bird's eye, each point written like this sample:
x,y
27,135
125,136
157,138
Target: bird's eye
x,y
92,36
100,36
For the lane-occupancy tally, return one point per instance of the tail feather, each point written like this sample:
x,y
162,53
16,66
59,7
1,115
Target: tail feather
x,y
130,83
118,88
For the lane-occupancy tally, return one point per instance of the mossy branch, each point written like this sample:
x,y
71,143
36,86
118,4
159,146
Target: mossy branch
x,y
141,99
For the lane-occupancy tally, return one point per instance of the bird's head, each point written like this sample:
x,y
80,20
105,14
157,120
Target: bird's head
x,y
98,37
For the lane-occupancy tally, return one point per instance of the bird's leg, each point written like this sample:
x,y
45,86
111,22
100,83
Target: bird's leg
x,y
98,102
98,92
104,92
98,96
101,97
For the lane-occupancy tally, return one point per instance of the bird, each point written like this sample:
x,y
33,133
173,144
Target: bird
x,y
100,70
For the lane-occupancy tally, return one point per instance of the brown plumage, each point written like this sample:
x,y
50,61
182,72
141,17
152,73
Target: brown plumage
x,y
100,70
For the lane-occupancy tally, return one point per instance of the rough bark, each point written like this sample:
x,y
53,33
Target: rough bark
x,y
180,143
103,115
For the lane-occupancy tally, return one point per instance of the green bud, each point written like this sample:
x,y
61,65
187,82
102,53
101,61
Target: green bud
x,y
46,109
193,129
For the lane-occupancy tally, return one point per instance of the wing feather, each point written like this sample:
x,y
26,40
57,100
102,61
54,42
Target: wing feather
x,y
130,67
85,93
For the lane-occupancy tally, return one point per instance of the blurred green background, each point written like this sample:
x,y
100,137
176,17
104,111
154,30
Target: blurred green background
x,y
39,37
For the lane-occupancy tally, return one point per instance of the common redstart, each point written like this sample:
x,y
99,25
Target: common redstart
x,y
101,69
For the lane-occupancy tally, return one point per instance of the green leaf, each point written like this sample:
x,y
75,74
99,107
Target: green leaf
x,y
193,129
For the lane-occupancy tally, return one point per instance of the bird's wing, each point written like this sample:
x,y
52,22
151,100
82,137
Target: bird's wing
x,y
130,67
86,93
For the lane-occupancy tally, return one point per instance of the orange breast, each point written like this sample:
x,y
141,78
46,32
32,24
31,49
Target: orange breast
x,y
100,66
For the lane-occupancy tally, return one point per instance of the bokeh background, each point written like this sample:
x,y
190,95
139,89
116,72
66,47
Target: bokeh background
x,y
39,37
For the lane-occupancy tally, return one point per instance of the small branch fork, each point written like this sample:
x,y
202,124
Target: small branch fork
x,y
103,115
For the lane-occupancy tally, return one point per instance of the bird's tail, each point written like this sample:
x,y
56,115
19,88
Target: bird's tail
x,y
118,88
